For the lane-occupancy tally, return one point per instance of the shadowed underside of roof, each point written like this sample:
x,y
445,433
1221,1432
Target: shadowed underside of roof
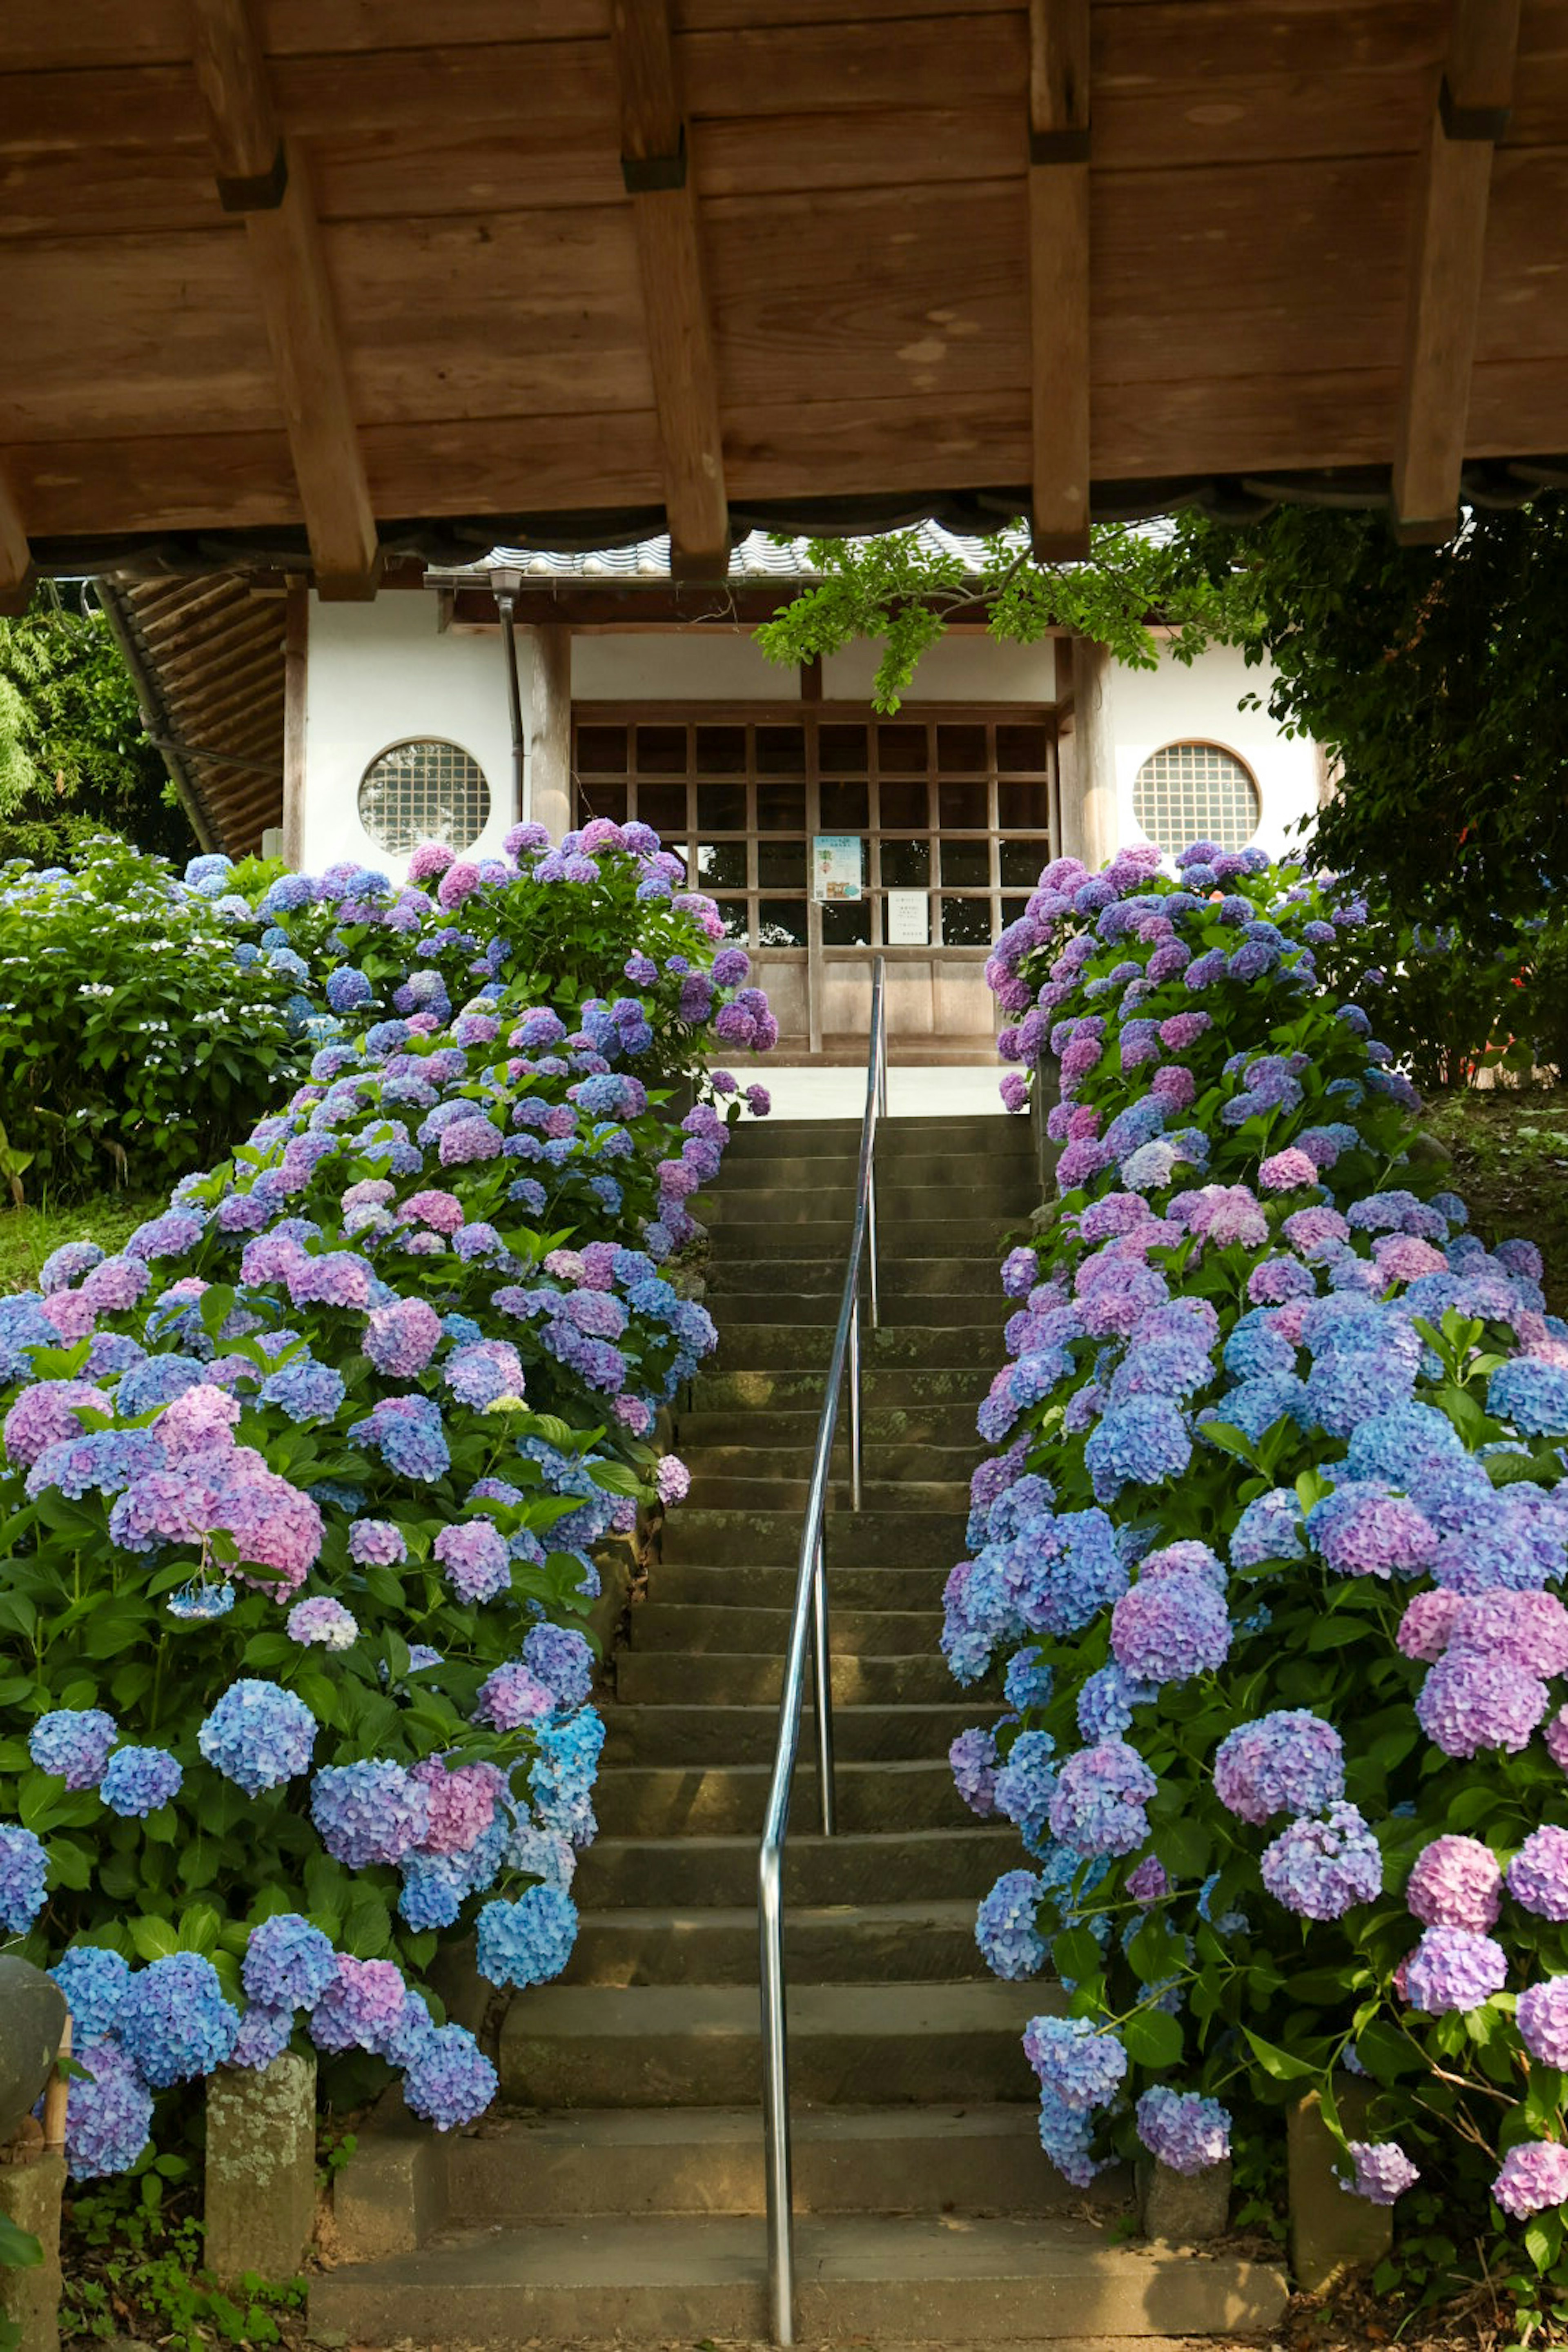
x,y
294,280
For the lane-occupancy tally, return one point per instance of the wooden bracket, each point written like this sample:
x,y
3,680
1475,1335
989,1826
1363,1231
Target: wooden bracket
x,y
675,310
17,575
266,182
1058,276
1447,268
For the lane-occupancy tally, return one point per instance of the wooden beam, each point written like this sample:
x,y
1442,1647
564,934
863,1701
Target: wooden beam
x,y
1059,276
262,176
1470,114
550,731
16,573
655,165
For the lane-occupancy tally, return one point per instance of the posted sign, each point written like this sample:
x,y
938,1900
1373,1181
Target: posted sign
x,y
837,867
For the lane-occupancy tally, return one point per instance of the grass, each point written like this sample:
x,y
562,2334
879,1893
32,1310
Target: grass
x,y
1510,1165
28,1234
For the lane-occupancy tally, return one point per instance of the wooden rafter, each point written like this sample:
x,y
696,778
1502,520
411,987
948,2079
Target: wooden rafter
x,y
15,555
1059,276
261,175
655,162
1470,116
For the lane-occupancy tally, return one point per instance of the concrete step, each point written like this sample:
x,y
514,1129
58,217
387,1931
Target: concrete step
x,y
902,1277
748,1231
884,1943
713,1587
723,1733
702,1629
1001,1192
896,1165
729,1800
903,1538
700,2045
902,1866
661,1678
779,1302
796,1347
884,1463
767,1429
711,1492
525,2168
997,1136
898,1388
655,2277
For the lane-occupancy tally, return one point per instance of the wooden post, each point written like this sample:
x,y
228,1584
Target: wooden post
x,y
549,730
1090,817
295,647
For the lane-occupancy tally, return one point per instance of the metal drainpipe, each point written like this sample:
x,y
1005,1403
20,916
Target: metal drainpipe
x,y
506,586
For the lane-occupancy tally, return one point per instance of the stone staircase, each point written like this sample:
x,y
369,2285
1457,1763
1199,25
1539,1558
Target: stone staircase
x,y
620,2191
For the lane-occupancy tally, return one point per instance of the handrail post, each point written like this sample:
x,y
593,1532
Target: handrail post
x,y
824,1661
776,2103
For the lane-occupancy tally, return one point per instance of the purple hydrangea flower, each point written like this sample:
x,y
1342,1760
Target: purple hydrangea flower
x,y
475,1557
1455,1881
1535,2177
1473,1700
1170,1628
1454,1969
1538,1875
1181,2130
1290,1761
1100,1795
73,1743
368,1812
1543,2018
1321,1869
449,2082
972,1757
287,1964
1382,2172
108,2112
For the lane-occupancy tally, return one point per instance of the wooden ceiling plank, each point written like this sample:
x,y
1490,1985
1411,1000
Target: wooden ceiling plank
x,y
1058,276
1445,276
261,177
656,166
16,570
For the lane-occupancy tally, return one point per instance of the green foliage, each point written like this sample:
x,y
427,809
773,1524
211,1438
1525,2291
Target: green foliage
x,y
132,1044
73,758
1435,677
905,593
19,2251
131,2249
27,1235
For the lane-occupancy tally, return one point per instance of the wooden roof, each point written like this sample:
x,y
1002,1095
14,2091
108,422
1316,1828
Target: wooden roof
x,y
343,275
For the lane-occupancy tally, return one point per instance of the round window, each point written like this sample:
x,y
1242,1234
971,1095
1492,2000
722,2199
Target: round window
x,y
424,790
1195,792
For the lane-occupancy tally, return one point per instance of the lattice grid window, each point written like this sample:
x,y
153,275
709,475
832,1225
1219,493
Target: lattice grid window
x,y
1195,792
424,790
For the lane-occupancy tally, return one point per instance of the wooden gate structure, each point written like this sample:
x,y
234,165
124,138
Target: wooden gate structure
x,y
306,283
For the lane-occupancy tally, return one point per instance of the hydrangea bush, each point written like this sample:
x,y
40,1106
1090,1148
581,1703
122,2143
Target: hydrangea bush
x,y
134,1042
301,1490
1267,1556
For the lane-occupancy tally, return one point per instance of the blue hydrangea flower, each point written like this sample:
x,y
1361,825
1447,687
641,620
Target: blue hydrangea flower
x,y
1533,1396
1181,2130
530,1941
258,1736
1081,2063
287,1964
1004,1928
137,1780
73,1743
93,1980
108,2112
451,2081
174,2022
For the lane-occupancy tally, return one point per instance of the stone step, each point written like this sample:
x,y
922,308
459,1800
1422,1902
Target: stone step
x,y
741,1239
843,1944
703,1630
711,1586
729,1800
656,1678
900,1165
700,2045
661,2278
895,1388
723,1733
879,1497
902,1866
904,1539
727,1271
997,1136
767,1429
779,1302
525,2168
797,1347
1002,1193
883,1464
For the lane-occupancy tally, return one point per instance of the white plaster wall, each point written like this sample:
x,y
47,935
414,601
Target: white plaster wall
x,y
1176,703
966,666
653,666
378,673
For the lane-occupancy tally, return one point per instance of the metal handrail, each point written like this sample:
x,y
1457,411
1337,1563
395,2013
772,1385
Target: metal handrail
x,y
809,1619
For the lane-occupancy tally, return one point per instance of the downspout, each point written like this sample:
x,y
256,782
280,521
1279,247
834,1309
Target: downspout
x,y
506,586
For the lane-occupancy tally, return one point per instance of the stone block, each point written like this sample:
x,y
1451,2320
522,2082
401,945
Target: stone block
x,y
392,2193
1183,2209
32,2020
1332,2233
30,2197
261,2169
